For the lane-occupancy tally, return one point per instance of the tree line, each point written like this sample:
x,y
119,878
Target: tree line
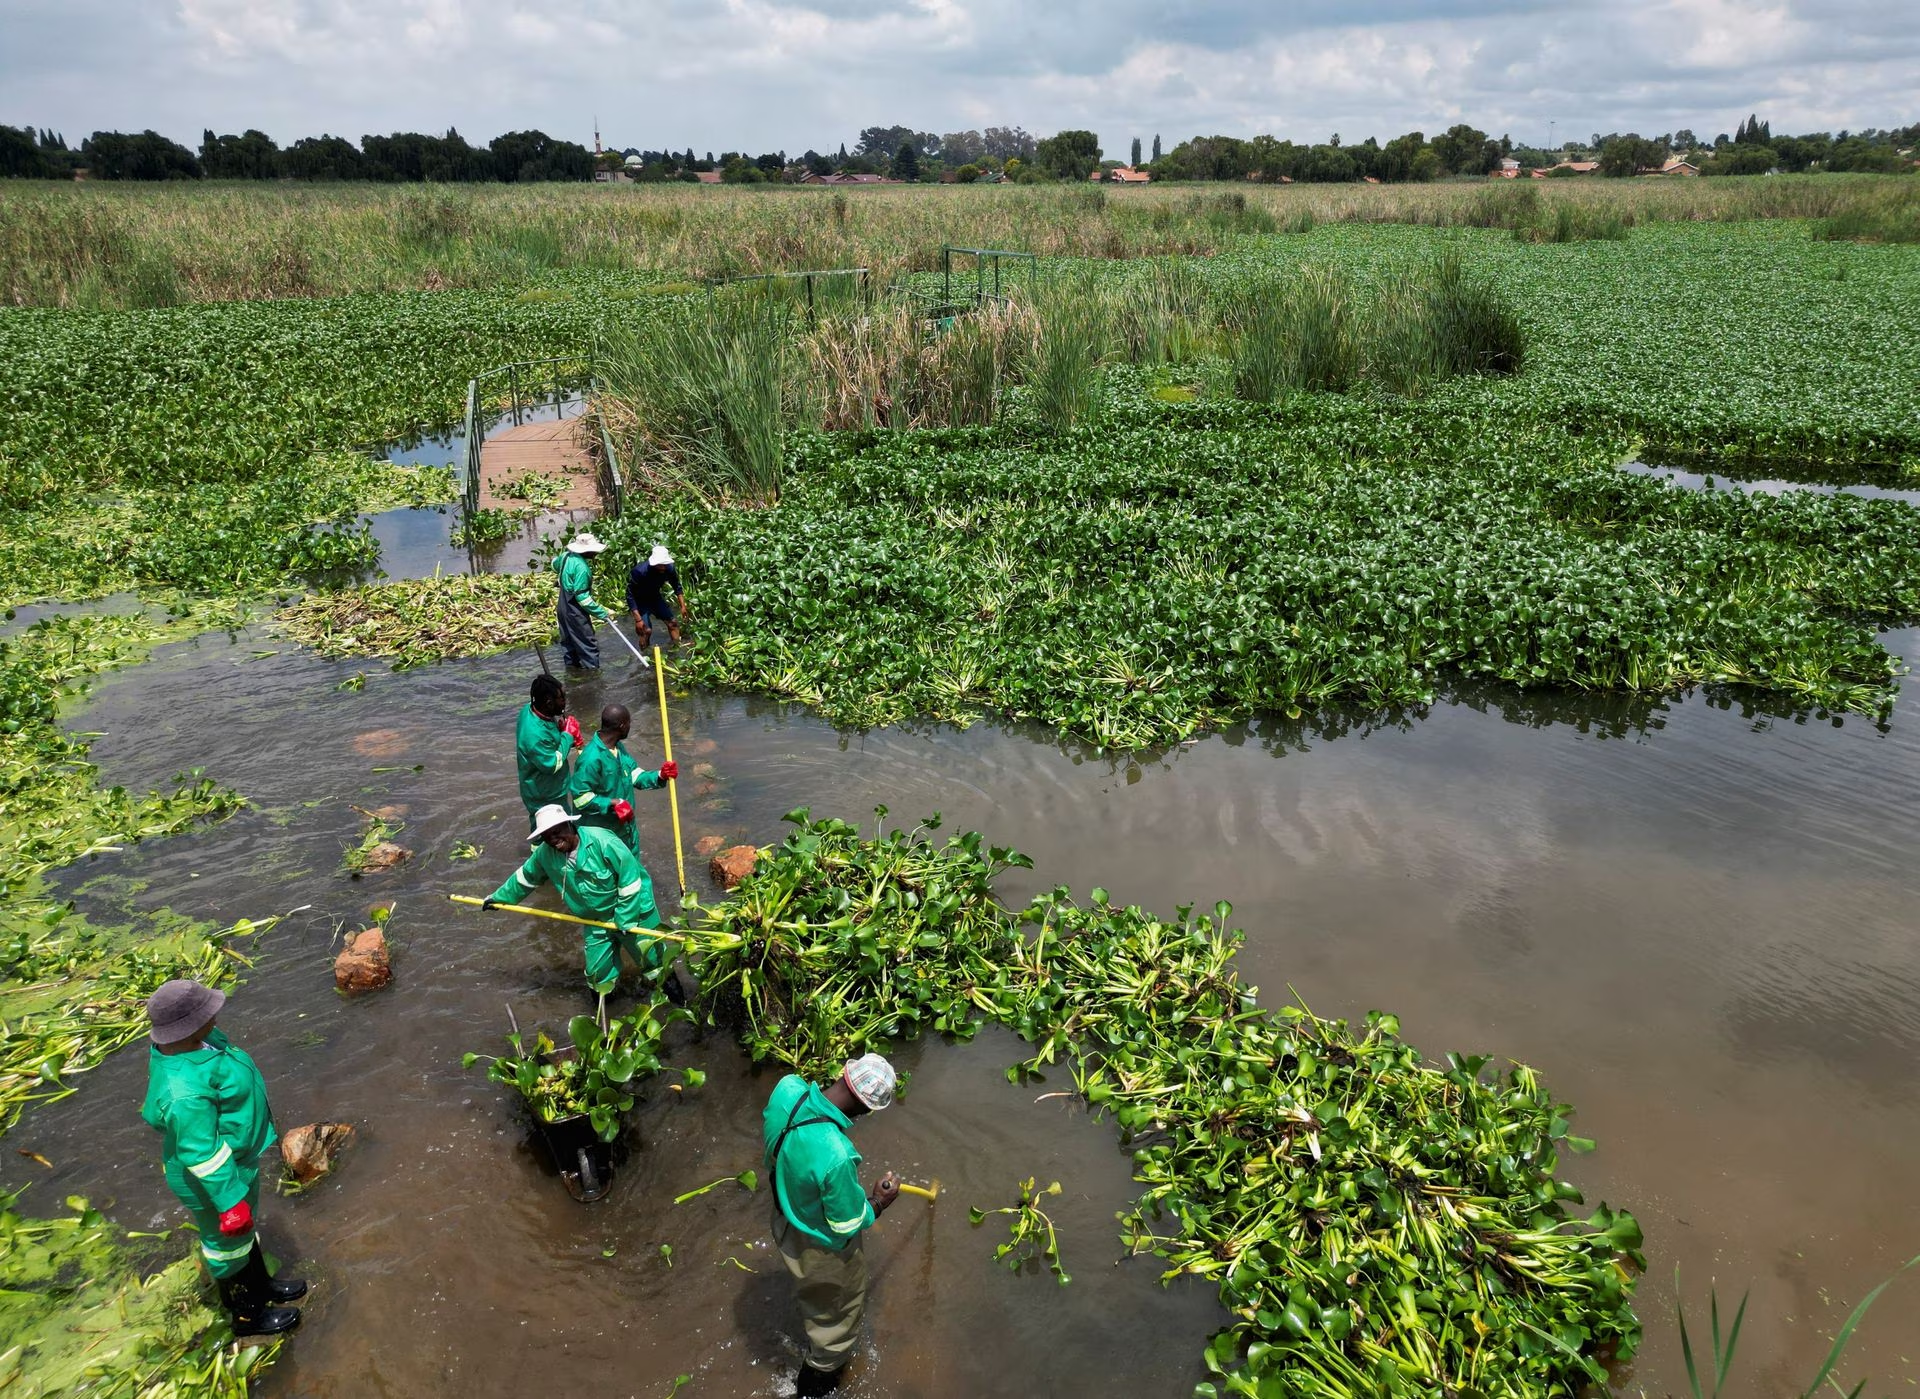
x,y
902,153
518,157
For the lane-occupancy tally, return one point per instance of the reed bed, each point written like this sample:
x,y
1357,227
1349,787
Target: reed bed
x,y
100,246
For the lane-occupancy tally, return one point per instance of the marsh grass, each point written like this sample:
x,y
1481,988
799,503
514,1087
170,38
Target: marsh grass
x,y
1074,343
697,399
101,246
1295,335
1890,214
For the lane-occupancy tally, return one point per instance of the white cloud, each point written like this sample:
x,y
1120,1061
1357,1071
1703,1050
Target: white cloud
x,y
787,74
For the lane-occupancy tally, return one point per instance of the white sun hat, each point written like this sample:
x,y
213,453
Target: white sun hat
x,y
586,543
547,818
659,556
872,1080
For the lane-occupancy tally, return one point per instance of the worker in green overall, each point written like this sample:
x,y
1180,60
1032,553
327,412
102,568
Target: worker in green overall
x,y
598,878
545,736
209,1104
605,779
820,1210
577,609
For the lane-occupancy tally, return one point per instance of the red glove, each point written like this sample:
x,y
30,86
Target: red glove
x,y
623,811
669,771
571,728
237,1220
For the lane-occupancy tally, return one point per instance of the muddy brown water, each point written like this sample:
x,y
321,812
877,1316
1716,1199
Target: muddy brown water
x,y
1696,921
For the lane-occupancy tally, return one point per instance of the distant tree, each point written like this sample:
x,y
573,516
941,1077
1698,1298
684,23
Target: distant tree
x,y
525,157
883,142
27,154
1685,140
1068,155
113,155
963,148
967,174
252,156
1014,168
1462,150
1009,143
1621,156
1860,153
1395,162
1134,157
1741,158
1156,145
324,158
906,163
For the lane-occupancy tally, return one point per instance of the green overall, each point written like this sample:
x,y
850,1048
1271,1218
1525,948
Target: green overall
x,y
819,1213
604,881
541,746
602,777
210,1107
578,611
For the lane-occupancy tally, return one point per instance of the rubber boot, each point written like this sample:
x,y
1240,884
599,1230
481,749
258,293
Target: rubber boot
x,y
280,1289
247,1298
812,1381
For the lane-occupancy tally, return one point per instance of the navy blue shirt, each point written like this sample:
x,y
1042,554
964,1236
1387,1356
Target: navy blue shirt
x,y
646,590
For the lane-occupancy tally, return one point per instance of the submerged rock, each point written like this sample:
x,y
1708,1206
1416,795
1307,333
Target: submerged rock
x,y
732,865
385,856
706,845
309,1151
363,965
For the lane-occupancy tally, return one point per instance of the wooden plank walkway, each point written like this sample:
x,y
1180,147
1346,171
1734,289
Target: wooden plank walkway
x,y
558,451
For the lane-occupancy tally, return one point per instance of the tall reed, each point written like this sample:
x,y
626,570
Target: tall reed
x,y
1072,346
698,398
1296,335
1473,326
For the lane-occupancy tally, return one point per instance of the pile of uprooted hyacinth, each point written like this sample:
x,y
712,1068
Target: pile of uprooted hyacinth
x,y
1376,1225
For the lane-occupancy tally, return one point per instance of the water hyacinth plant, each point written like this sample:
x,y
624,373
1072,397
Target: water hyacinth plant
x,y
594,1075
1374,1223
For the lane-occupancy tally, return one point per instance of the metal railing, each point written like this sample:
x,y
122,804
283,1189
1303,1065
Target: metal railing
x,y
530,386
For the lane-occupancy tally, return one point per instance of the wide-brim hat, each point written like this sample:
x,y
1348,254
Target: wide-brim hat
x,y
586,543
872,1080
550,817
660,556
179,1008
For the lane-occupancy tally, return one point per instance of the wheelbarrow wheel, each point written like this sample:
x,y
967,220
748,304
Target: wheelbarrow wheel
x,y
589,1177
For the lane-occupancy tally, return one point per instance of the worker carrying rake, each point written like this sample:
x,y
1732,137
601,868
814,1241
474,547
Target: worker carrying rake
x,y
599,879
577,609
820,1210
605,778
208,1102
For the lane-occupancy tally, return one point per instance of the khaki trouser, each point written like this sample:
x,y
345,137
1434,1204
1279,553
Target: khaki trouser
x,y
831,1287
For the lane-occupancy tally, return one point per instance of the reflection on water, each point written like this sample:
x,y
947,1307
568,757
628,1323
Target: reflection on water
x,y
1695,919
1868,483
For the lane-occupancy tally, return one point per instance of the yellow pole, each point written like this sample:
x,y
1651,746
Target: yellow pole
x,y
568,918
922,1191
673,791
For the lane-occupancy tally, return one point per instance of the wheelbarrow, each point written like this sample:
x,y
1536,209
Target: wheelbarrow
x,y
584,1161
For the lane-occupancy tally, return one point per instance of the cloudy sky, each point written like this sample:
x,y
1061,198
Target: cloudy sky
x,y
762,75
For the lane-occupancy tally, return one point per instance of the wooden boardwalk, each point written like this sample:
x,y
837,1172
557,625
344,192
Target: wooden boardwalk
x,y
558,451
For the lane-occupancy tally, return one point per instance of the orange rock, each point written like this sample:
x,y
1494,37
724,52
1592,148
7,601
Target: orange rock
x,y
309,1151
732,865
385,856
363,964
380,743
706,845
700,747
